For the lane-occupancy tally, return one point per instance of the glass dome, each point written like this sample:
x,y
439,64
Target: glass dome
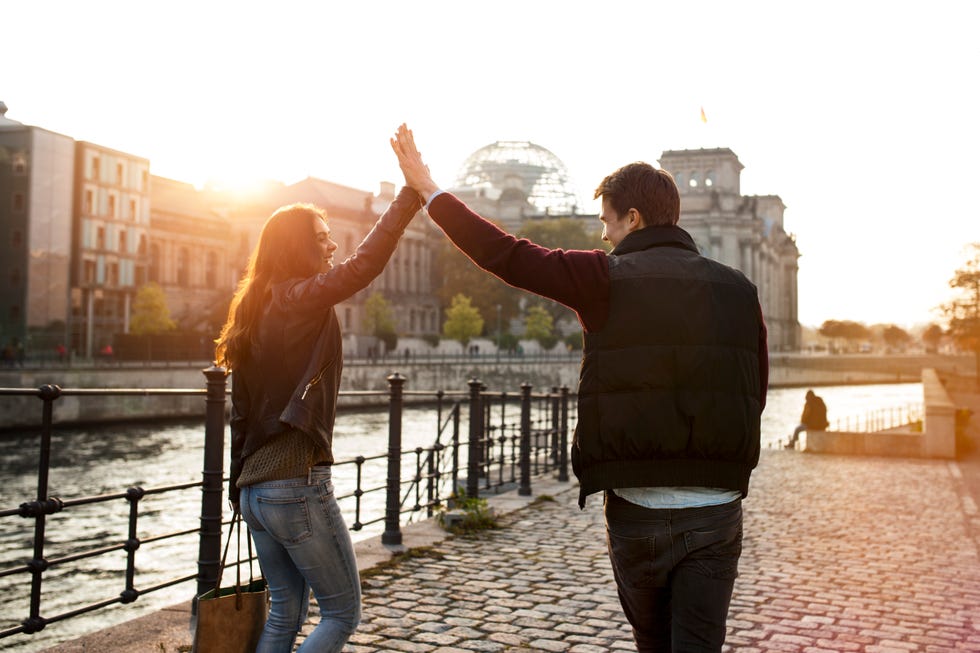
x,y
508,166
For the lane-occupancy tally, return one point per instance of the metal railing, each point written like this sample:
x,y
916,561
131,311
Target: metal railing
x,y
511,437
881,419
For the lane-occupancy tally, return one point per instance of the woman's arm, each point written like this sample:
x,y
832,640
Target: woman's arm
x,y
367,262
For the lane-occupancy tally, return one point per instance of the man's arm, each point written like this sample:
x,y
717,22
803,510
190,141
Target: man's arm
x,y
576,278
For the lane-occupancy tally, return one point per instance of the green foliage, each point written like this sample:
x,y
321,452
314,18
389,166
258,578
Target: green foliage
x,y
379,320
477,515
150,312
454,274
963,311
463,320
540,326
562,233
574,340
431,339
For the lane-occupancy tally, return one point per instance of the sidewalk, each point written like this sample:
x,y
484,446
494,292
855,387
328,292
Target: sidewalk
x,y
840,554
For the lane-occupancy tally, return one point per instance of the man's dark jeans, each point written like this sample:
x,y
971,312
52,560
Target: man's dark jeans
x,y
675,570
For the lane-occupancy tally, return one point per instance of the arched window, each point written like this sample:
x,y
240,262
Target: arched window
x,y
709,178
694,180
679,179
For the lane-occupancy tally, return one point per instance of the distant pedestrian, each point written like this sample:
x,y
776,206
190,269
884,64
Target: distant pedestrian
x,y
671,390
283,342
813,418
62,352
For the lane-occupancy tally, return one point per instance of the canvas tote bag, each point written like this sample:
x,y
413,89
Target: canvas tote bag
x,y
230,619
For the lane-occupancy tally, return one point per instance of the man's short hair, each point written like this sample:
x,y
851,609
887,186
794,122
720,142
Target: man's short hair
x,y
640,186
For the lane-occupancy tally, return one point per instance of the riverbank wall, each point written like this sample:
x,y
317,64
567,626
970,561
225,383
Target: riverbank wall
x,y
424,377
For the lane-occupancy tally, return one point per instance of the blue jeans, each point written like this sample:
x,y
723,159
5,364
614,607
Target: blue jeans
x,y
302,544
675,571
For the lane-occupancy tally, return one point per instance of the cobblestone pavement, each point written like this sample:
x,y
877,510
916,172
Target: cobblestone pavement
x,y
840,554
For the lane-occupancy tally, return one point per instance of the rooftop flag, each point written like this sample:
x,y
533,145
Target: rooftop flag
x,y
704,118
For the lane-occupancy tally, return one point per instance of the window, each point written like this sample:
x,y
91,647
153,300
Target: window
x,y
95,168
709,178
120,174
132,211
89,203
183,263
112,206
155,263
141,250
679,179
113,275
100,238
18,202
19,164
146,182
211,270
123,244
89,272
694,180
16,238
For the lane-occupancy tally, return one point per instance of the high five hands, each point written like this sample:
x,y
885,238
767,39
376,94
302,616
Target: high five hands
x,y
410,161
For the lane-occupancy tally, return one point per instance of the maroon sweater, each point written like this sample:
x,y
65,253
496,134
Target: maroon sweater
x,y
578,279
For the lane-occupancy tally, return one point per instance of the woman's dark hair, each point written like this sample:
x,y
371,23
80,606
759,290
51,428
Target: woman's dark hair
x,y
642,187
286,249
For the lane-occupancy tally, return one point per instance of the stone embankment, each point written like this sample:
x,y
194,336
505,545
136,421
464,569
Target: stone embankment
x,y
505,374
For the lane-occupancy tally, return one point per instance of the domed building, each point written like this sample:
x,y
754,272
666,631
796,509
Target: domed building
x,y
512,181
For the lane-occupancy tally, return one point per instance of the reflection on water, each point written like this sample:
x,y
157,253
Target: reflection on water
x,y
110,459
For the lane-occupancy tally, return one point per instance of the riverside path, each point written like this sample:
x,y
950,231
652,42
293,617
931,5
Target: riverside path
x,y
874,555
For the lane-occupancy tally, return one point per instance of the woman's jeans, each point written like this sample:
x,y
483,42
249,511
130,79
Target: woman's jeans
x,y
303,544
675,571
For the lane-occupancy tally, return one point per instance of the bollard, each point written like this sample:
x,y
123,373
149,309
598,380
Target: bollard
x,y
563,451
525,488
476,440
393,533
212,490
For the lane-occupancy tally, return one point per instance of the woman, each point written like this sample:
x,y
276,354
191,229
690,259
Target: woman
x,y
283,343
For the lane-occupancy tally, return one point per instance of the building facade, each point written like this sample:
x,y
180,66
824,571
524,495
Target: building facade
x,y
745,232
36,181
110,241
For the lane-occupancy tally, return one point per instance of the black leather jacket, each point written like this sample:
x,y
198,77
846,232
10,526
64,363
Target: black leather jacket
x,y
291,377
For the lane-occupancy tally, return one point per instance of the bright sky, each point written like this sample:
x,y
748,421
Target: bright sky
x,y
862,116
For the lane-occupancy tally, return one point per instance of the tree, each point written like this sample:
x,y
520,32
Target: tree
x,y
963,311
845,330
895,337
539,325
931,337
454,274
379,320
564,233
463,320
150,313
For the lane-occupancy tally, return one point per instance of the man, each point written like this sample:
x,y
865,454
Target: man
x,y
671,390
813,418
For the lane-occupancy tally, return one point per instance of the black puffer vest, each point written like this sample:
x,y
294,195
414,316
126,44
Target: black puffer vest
x,y
669,388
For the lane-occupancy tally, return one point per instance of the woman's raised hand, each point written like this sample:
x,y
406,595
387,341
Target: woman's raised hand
x,y
410,161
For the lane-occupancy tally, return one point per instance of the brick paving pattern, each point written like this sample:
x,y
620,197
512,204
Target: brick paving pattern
x,y
840,554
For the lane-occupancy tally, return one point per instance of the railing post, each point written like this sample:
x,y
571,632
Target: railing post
x,y
35,622
393,533
563,440
209,545
555,421
476,440
525,488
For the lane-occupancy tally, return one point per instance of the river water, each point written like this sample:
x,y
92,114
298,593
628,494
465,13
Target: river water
x,y
109,459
